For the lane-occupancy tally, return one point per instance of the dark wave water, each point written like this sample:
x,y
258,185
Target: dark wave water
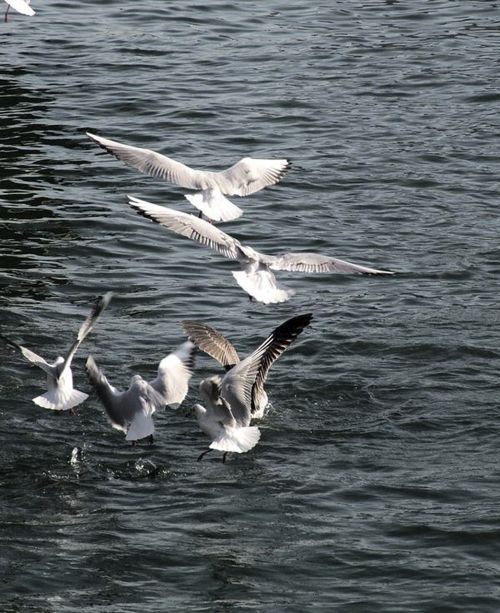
x,y
375,484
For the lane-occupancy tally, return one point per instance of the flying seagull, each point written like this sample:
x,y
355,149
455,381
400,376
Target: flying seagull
x,y
217,346
61,396
231,401
21,6
131,411
256,276
247,176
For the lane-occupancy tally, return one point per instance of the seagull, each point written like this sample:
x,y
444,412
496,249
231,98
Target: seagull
x,y
232,401
132,410
61,396
247,176
256,276
217,346
21,6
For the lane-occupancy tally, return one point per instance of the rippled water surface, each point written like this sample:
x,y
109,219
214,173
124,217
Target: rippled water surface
x,y
375,486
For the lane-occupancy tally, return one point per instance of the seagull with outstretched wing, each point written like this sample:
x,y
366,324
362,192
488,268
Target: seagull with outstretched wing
x,y
61,396
131,411
247,176
233,400
256,277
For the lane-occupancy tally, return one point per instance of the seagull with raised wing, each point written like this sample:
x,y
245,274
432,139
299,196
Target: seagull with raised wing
x,y
131,411
247,176
216,345
232,401
21,6
61,396
256,276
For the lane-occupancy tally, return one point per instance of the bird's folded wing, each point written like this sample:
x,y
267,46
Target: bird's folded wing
x,y
317,263
152,163
211,342
190,226
250,175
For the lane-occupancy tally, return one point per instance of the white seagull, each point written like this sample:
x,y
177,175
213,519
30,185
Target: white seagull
x,y
21,6
247,176
217,346
61,396
256,278
131,411
233,400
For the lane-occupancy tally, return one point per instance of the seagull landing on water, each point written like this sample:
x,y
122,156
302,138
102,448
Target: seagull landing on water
x,y
61,396
131,411
21,6
232,401
217,346
247,176
256,276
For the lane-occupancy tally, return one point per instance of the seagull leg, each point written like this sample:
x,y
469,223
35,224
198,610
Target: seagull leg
x,y
6,12
200,457
151,439
72,411
134,443
224,456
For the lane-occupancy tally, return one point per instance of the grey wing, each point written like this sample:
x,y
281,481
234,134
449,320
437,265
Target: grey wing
x,y
154,164
99,306
32,357
282,337
118,411
250,175
190,226
317,263
211,342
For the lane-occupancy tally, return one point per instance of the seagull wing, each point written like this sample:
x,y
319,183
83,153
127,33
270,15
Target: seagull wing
x,y
117,409
250,175
282,337
99,306
190,226
238,384
155,164
315,262
174,373
32,357
211,342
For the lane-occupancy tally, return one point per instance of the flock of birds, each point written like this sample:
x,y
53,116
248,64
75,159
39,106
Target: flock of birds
x,y
233,400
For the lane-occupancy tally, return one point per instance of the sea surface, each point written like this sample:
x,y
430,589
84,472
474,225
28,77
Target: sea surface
x,y
376,484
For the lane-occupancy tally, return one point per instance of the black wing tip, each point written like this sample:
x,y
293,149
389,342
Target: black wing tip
x,y
137,208
292,327
10,342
